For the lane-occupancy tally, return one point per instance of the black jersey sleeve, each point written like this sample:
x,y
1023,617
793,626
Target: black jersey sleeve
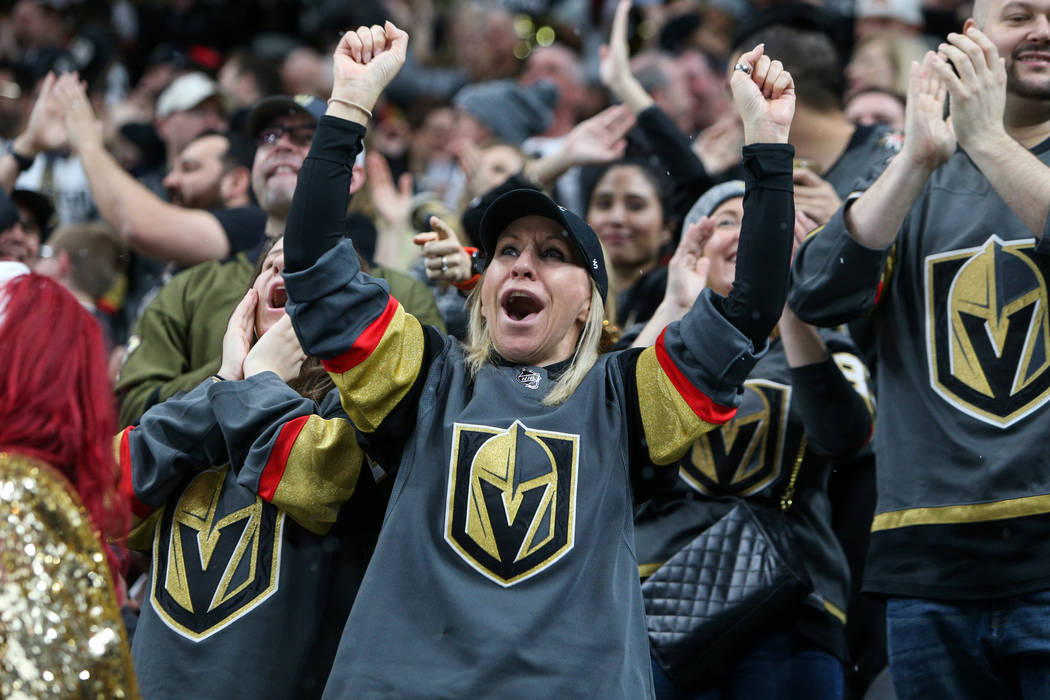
x,y
835,279
834,400
292,453
675,152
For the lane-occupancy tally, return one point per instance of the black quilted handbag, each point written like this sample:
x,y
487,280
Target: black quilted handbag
x,y
720,592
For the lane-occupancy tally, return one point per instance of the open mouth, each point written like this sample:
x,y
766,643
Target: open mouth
x,y
283,168
278,297
520,305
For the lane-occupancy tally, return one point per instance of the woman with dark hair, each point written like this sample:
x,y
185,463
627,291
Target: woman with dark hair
x,y
60,628
230,572
505,566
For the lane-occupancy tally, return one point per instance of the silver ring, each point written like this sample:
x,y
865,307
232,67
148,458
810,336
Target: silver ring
x,y
742,67
76,103
444,265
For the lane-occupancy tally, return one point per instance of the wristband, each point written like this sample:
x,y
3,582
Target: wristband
x,y
24,162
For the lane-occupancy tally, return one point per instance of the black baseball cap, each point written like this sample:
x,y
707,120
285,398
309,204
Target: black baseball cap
x,y
269,108
515,204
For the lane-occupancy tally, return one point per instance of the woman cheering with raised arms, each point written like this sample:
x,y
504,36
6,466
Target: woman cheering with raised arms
x,y
505,566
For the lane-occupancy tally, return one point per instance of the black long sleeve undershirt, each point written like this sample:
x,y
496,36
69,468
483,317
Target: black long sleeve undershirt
x,y
763,255
317,218
675,152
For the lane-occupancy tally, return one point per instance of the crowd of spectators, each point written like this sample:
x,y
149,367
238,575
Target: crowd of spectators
x,y
149,158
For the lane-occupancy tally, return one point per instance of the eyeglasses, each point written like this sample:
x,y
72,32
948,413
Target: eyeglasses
x,y
300,135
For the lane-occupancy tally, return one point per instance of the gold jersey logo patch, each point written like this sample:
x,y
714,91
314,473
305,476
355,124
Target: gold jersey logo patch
x,y
745,454
988,330
511,499
210,567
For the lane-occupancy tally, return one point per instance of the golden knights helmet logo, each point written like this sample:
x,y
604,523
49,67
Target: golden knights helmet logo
x,y
511,499
211,567
988,330
744,455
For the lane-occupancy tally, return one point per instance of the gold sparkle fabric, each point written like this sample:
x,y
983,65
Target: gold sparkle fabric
x,y
61,634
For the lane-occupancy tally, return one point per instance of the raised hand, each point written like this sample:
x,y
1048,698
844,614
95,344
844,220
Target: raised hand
x,y
614,63
815,196
718,146
978,92
278,351
687,269
394,204
45,130
238,338
444,257
600,139
764,95
82,128
365,61
928,140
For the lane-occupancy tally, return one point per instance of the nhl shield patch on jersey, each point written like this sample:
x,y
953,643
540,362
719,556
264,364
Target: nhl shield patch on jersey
x,y
213,564
745,454
529,378
511,499
988,329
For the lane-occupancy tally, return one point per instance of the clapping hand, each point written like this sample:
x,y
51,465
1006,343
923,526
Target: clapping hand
x,y
600,139
614,66
764,94
687,269
815,196
82,128
394,203
928,139
977,86
45,130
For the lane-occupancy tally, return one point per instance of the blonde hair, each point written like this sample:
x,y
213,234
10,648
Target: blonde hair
x,y
480,350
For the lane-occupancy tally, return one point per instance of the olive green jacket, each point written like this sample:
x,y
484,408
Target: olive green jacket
x,y
178,341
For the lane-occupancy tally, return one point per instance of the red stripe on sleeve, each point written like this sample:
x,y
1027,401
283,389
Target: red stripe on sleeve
x,y
365,344
127,487
700,402
878,293
274,469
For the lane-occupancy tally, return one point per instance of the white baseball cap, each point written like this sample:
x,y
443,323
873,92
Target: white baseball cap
x,y
188,91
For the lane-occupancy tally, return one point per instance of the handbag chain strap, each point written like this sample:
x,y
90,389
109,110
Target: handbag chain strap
x,y
788,497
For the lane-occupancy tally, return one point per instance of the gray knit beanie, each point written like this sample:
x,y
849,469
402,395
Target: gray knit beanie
x,y
711,200
512,112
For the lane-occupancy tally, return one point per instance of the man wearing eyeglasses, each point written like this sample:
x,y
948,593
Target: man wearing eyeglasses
x,y
178,341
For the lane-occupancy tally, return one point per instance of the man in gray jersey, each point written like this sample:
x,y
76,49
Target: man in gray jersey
x,y
948,251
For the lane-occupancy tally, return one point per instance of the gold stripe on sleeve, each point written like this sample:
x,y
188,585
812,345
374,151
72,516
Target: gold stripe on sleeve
x,y
321,473
372,389
671,426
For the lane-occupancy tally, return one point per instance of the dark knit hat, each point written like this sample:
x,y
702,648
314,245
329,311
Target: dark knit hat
x,y
518,203
711,200
512,112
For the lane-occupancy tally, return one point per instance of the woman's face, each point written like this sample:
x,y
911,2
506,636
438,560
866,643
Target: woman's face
x,y
534,297
720,248
626,214
270,286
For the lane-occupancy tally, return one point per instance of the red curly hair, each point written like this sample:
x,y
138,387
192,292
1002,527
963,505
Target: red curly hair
x,y
56,401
